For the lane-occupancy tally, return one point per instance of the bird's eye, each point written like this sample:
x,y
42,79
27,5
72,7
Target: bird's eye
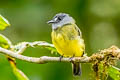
x,y
59,18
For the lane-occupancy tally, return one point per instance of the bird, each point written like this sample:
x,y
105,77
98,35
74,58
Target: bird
x,y
67,39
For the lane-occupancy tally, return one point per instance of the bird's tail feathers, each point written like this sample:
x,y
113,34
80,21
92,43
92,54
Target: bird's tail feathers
x,y
76,69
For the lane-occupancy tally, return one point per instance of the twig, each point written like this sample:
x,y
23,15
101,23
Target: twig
x,y
22,46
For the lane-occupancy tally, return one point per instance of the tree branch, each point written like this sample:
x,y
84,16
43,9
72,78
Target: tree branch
x,y
114,51
41,60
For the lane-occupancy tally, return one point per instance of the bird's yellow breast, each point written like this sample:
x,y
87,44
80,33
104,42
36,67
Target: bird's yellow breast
x,y
67,41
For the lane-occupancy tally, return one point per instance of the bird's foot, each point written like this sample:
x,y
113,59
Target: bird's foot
x,y
61,58
71,59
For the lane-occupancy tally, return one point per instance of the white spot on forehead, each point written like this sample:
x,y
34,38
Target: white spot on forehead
x,y
55,18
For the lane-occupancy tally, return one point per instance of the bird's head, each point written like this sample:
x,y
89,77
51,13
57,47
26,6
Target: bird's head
x,y
61,19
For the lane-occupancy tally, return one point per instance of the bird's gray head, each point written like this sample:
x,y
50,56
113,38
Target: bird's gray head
x,y
61,19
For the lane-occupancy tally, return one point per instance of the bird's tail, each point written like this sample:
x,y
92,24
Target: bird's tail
x,y
76,69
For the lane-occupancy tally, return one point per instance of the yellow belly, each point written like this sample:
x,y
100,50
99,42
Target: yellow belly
x,y
66,47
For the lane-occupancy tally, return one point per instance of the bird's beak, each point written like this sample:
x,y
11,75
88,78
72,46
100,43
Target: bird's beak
x,y
51,21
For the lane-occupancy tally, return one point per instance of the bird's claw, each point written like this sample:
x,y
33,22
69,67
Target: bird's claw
x,y
61,58
71,59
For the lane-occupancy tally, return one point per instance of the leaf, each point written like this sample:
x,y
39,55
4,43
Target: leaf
x,y
18,73
3,23
114,72
5,42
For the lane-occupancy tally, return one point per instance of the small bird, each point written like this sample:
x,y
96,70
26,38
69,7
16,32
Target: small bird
x,y
67,39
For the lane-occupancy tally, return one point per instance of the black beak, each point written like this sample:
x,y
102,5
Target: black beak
x,y
51,21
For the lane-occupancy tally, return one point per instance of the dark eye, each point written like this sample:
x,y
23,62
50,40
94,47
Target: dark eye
x,y
59,18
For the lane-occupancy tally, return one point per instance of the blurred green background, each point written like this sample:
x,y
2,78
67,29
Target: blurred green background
x,y
99,21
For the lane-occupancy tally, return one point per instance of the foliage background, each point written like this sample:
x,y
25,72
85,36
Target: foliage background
x,y
98,20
